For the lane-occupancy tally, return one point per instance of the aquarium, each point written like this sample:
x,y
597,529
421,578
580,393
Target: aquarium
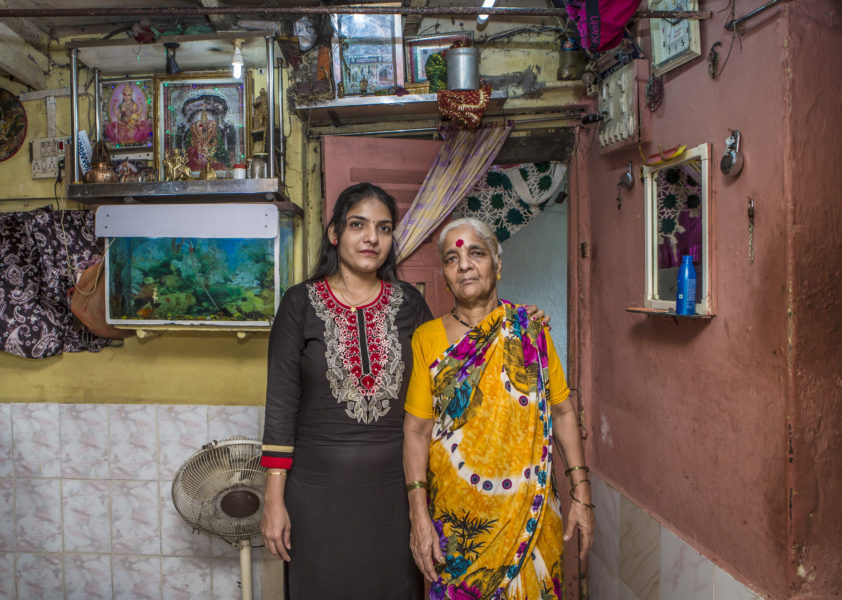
x,y
214,265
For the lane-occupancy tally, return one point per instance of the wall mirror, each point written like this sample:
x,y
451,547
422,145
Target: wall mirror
x,y
677,224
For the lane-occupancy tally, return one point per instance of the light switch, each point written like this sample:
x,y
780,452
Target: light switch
x,y
617,102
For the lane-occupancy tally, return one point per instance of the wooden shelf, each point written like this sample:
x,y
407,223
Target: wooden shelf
x,y
365,109
660,312
146,332
200,52
220,190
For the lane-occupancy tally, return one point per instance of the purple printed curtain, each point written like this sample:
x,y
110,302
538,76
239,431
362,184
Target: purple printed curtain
x,y
462,161
42,252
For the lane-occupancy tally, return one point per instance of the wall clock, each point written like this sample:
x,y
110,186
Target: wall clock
x,y
674,41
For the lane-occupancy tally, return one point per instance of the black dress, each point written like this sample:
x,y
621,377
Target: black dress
x,y
334,417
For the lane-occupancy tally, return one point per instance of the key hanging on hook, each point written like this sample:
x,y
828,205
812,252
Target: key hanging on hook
x,y
713,60
751,230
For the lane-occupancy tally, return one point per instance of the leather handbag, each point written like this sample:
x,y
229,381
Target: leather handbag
x,y
87,303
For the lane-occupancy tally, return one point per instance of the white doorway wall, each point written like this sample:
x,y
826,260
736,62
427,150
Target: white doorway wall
x,y
535,270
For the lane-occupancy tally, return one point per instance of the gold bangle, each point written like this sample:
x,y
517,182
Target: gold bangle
x,y
281,473
591,506
571,469
414,485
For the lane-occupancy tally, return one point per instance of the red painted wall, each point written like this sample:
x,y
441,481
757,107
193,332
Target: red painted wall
x,y
728,431
815,408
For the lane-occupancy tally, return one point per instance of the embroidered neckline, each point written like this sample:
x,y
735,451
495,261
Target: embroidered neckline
x,y
364,364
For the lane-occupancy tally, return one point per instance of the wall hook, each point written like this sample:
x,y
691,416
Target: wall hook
x,y
626,181
732,161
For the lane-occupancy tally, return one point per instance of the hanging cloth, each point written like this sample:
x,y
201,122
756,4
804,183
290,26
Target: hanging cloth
x,y
509,197
461,162
41,254
600,22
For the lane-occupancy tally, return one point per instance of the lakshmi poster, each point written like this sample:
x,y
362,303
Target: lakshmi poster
x,y
204,117
127,113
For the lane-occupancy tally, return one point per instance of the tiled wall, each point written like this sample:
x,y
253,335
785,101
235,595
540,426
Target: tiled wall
x,y
636,558
86,510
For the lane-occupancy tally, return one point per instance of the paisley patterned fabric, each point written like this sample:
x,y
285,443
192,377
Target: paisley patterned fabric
x,y
492,495
365,369
41,254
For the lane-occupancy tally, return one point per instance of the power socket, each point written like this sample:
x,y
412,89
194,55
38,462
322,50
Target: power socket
x,y
45,168
45,154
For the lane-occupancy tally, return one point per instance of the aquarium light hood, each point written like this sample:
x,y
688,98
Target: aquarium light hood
x,y
187,220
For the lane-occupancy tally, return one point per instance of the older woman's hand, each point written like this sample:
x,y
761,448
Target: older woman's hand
x,y
536,313
581,517
424,543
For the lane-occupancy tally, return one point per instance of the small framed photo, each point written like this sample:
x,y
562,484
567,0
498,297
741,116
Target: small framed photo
x,y
128,167
367,53
127,112
206,117
419,49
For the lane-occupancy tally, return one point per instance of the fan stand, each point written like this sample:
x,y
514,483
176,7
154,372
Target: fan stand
x,y
219,491
245,568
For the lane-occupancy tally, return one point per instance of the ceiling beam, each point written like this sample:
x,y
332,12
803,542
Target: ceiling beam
x,y
27,30
219,22
313,10
21,60
413,22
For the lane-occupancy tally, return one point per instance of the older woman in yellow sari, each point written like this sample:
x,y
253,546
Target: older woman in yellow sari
x,y
485,402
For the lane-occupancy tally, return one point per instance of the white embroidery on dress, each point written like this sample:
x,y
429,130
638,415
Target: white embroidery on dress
x,y
367,396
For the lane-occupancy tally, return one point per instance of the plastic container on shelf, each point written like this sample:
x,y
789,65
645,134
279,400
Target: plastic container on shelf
x,y
685,294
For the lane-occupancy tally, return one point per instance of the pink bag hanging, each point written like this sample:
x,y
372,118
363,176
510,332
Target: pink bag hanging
x,y
600,22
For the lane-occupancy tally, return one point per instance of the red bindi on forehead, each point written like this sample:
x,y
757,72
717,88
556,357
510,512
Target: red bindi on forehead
x,y
459,242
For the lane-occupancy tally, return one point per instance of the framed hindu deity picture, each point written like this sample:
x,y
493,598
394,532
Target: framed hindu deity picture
x,y
203,116
419,49
127,113
367,53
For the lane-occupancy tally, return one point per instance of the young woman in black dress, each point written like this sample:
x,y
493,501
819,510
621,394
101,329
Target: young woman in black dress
x,y
339,362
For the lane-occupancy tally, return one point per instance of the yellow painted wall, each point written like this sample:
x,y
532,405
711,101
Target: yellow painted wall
x,y
174,368
189,367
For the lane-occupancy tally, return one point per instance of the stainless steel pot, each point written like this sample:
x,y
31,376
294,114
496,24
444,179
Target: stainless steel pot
x,y
462,69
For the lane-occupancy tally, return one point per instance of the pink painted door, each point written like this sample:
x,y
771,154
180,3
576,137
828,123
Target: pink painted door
x,y
399,166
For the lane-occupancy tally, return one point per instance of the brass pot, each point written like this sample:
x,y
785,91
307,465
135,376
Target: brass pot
x,y
101,173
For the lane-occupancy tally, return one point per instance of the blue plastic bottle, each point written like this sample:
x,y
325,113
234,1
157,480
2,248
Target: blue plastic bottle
x,y
685,295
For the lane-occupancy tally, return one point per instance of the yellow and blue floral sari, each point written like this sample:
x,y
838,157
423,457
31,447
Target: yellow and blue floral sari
x,y
492,495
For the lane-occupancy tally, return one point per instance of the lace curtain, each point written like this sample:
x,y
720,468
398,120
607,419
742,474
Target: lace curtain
x,y
508,197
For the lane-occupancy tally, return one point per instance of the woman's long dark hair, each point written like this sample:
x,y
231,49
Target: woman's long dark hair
x,y
329,254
